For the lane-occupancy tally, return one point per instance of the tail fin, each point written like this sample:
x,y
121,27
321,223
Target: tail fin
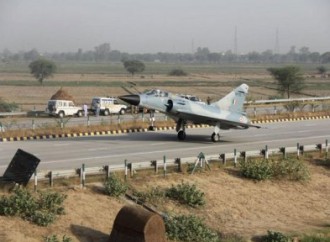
x,y
234,100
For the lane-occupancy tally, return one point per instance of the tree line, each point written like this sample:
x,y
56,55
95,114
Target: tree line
x,y
103,53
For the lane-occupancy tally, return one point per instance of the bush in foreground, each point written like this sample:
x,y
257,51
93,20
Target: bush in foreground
x,y
186,194
262,169
113,186
53,238
189,228
40,209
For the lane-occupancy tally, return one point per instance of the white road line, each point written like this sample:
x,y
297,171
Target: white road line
x,y
172,150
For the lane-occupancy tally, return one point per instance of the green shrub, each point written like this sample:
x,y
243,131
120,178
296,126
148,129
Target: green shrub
x,y
275,237
7,107
291,169
177,72
314,238
52,201
256,169
188,228
186,194
40,209
154,195
113,186
42,217
53,238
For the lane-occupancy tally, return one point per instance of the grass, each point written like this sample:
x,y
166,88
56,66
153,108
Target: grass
x,y
156,68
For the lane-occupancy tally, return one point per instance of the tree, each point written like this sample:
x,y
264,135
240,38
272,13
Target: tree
x,y
134,66
102,52
322,70
289,78
42,69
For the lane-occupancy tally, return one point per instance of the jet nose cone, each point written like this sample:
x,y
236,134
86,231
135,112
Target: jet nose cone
x,y
131,99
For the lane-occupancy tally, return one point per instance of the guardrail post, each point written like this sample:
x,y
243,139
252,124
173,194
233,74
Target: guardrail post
x,y
326,148
107,170
255,111
283,150
125,170
223,157
178,161
33,124
51,179
154,163
82,175
266,155
88,121
164,158
298,150
131,169
243,154
62,124
302,149
275,110
35,180
235,157
319,147
118,118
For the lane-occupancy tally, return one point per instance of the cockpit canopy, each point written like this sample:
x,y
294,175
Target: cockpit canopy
x,y
157,93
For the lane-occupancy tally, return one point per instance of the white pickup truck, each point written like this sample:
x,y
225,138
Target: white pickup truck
x,y
62,108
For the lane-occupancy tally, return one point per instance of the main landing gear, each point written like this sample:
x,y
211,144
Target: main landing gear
x,y
181,129
215,137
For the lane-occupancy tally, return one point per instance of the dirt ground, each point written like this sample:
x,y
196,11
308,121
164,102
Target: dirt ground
x,y
233,206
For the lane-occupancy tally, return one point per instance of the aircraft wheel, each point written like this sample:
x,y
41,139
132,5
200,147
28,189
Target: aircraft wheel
x,y
181,135
215,137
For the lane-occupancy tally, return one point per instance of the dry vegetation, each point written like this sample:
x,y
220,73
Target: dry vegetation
x,y
233,206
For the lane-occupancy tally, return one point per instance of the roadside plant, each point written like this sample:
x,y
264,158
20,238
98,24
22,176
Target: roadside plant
x,y
114,187
273,236
189,228
154,195
263,169
256,169
186,193
53,238
40,209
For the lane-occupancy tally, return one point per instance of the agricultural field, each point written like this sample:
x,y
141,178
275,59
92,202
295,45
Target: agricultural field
x,y
86,80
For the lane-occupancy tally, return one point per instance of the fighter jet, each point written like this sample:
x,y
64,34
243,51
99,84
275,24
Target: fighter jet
x,y
227,113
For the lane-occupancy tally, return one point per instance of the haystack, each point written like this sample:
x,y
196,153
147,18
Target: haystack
x,y
136,224
62,94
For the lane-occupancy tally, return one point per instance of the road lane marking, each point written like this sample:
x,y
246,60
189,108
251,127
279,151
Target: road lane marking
x,y
181,149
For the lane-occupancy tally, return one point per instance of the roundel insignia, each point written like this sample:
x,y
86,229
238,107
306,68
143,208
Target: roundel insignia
x,y
243,119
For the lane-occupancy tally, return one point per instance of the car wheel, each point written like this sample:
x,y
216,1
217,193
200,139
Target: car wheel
x,y
106,112
122,111
80,114
61,114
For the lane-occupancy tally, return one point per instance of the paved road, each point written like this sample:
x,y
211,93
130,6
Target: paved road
x,y
69,153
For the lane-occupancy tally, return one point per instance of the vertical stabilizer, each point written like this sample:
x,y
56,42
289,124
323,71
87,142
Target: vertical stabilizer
x,y
233,101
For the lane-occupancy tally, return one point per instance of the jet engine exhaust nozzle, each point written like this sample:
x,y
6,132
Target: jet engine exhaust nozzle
x,y
131,99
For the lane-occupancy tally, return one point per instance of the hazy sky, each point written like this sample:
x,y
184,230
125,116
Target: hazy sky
x,y
151,26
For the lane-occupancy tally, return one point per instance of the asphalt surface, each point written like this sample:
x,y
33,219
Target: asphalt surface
x,y
68,153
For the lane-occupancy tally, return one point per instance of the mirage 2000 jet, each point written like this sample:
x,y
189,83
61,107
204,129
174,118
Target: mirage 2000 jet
x,y
227,113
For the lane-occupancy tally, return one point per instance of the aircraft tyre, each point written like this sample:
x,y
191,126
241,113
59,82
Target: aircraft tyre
x,y
215,137
181,135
